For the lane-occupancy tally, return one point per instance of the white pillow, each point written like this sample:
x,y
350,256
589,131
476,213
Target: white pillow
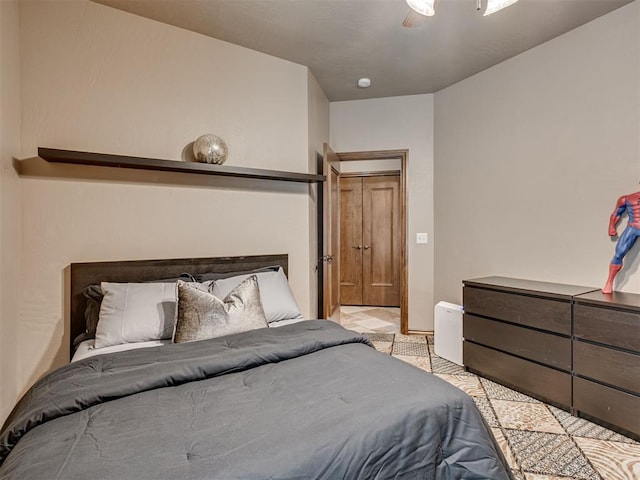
x,y
135,312
277,299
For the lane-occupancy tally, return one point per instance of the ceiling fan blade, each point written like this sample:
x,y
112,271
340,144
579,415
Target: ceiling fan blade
x,y
413,19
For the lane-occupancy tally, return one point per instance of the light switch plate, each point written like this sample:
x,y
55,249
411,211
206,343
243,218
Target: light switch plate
x,y
422,238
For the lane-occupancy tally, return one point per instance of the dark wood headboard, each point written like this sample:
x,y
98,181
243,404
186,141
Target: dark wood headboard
x,y
92,273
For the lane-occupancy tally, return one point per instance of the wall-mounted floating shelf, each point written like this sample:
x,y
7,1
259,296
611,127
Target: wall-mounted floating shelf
x,y
122,161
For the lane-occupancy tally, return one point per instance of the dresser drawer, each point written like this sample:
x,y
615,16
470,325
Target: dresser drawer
x,y
534,345
617,408
536,380
608,326
620,369
542,313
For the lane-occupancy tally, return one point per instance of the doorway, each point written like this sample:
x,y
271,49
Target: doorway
x,y
329,285
370,239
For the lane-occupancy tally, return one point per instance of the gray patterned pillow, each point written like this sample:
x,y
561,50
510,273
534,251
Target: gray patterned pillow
x,y
201,315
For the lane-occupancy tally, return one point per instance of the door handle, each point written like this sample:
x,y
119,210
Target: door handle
x,y
367,247
358,247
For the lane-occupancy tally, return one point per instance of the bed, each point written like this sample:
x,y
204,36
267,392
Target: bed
x,y
306,400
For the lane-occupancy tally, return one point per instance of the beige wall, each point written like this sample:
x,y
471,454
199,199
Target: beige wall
x,y
9,205
399,123
531,156
98,79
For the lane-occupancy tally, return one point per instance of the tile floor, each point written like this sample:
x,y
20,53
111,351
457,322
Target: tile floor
x,y
540,442
366,319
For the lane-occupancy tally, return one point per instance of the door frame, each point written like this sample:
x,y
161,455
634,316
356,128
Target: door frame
x,y
403,156
329,237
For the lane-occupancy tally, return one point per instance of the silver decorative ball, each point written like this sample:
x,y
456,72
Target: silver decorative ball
x,y
210,149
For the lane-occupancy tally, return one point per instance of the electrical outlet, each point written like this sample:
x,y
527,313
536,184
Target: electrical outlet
x,y
422,238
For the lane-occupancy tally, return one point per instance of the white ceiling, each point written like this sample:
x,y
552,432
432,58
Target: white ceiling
x,y
343,40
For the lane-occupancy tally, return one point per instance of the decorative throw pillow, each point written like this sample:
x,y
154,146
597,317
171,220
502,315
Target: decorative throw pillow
x,y
201,315
277,299
135,312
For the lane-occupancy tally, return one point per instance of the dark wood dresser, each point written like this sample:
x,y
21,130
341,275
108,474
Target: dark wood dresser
x,y
606,358
567,345
518,333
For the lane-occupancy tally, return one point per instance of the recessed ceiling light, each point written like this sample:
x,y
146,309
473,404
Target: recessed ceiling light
x,y
364,82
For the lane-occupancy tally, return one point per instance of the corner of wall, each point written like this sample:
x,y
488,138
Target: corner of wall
x,y
10,215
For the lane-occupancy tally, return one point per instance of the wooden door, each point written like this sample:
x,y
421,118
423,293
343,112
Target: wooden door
x,y
351,241
370,240
331,236
381,241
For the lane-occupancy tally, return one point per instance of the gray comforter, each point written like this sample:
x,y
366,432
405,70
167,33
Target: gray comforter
x,y
304,401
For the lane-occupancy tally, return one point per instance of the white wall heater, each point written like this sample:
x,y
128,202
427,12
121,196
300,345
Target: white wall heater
x,y
447,331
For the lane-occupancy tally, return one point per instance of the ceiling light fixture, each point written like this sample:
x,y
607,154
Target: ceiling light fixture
x,y
364,82
423,7
427,9
494,5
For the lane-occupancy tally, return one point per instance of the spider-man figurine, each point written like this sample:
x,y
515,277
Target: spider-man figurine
x,y
630,203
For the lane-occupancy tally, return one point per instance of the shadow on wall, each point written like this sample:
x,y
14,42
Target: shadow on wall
x,y
58,345
46,363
